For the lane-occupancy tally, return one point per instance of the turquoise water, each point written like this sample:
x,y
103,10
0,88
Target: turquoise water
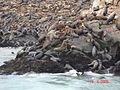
x,y
65,81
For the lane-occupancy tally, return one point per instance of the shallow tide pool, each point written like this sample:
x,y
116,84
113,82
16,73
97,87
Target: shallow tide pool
x,y
44,81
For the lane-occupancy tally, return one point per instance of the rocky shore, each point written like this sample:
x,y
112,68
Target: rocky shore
x,y
60,35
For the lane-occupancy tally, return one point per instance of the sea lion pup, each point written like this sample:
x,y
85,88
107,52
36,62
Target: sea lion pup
x,y
63,46
111,17
24,1
94,51
117,22
109,1
69,32
85,25
68,67
117,2
58,25
98,4
1,33
90,32
52,34
89,15
117,63
60,29
96,65
100,7
102,34
105,11
21,53
75,24
52,27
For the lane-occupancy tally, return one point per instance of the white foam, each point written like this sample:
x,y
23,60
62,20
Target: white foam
x,y
89,73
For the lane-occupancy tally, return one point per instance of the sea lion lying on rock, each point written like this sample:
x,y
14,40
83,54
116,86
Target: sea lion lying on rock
x,y
117,22
98,4
117,68
116,2
111,17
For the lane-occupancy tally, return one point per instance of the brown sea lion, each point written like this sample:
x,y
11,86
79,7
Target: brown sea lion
x,y
111,17
98,4
117,22
63,46
116,2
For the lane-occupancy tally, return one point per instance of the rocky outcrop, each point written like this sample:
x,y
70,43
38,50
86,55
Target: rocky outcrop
x,y
23,66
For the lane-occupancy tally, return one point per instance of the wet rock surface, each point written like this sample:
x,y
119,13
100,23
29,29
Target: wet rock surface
x,y
59,33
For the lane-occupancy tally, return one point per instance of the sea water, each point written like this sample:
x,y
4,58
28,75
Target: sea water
x,y
61,81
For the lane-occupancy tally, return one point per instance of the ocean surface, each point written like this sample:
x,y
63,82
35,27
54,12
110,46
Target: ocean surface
x,y
61,81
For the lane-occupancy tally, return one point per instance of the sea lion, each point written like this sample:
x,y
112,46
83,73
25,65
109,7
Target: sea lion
x,y
98,4
111,17
87,26
53,26
68,67
97,65
94,51
24,1
46,43
23,33
117,63
11,36
109,1
55,59
39,55
58,25
117,22
21,53
105,11
102,34
67,31
1,33
35,34
52,34
107,56
96,44
42,38
63,46
116,2
76,24
94,63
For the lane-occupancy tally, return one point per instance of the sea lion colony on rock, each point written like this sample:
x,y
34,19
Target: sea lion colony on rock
x,y
79,40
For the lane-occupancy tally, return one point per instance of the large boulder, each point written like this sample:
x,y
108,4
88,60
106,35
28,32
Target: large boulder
x,y
23,66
